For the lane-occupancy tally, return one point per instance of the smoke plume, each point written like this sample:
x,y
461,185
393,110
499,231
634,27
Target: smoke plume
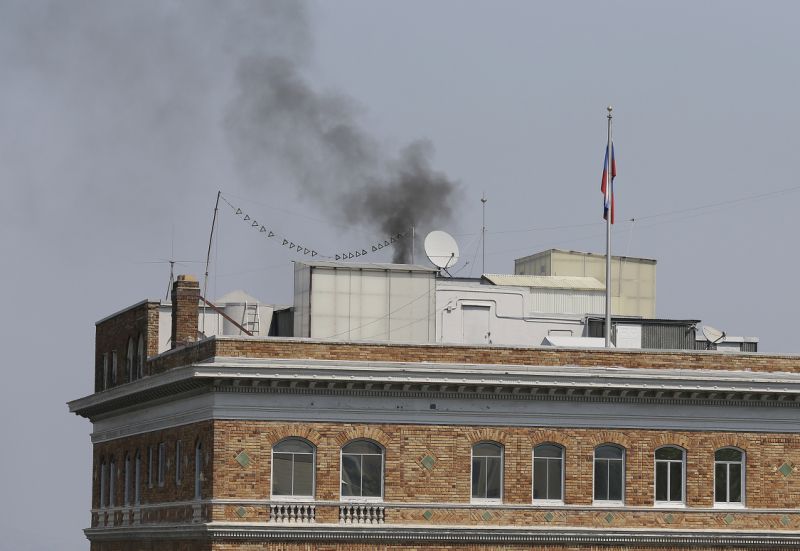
x,y
282,129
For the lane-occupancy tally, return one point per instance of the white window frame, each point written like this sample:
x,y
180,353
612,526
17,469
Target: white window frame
x,y
162,464
730,504
488,500
103,483
137,477
283,497
112,483
670,503
609,502
533,462
126,490
363,499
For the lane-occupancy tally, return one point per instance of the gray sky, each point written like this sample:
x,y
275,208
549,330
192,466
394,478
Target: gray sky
x,y
120,120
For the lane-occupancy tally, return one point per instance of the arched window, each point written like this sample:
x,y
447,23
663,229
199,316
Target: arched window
x,y
137,478
103,482
548,473
487,471
140,357
293,469
362,471
729,477
670,469
112,482
609,474
129,360
126,490
198,469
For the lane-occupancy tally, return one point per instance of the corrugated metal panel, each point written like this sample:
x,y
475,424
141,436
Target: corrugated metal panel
x,y
668,337
562,301
749,347
547,282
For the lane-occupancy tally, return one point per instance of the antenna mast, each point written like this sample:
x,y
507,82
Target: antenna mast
x,y
483,233
208,258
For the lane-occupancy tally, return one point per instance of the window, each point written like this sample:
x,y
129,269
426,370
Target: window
x,y
293,468
140,357
729,477
487,471
162,463
362,471
105,370
103,482
178,450
669,475
129,361
113,367
137,479
609,469
548,473
198,468
126,490
150,463
112,482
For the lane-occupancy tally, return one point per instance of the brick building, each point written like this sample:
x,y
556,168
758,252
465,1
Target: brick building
x,y
253,442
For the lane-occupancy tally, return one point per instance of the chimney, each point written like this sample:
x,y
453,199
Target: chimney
x,y
185,310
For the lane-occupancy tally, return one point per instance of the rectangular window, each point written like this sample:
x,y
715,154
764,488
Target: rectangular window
x,y
105,370
162,463
103,484
178,450
150,463
113,367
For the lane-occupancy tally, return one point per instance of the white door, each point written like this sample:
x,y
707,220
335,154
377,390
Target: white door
x,y
476,324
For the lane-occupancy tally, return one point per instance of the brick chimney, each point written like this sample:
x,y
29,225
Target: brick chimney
x,y
185,310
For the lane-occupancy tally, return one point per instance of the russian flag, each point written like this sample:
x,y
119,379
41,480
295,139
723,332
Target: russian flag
x,y
608,192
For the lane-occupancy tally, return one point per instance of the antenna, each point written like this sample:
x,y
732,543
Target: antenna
x,y
442,249
483,233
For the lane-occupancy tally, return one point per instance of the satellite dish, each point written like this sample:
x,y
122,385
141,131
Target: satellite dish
x,y
713,335
442,249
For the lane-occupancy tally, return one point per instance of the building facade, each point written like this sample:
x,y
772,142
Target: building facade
x,y
242,443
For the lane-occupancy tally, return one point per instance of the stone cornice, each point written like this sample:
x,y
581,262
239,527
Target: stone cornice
x,y
601,384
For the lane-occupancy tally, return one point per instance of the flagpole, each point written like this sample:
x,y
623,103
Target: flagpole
x,y
609,191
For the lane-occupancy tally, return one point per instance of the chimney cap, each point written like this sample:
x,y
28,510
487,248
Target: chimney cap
x,y
187,277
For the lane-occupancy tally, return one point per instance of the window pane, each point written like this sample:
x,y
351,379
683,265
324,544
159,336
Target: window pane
x,y
615,480
351,475
540,479
486,449
361,446
735,474
493,476
478,477
720,483
669,453
608,452
293,445
600,479
554,479
547,450
676,481
728,454
661,481
303,474
282,474
371,476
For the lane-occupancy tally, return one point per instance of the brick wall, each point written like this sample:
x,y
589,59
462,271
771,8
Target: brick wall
x,y
112,335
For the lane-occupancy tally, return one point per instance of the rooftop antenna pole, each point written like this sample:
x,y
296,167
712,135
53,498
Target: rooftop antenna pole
x,y
483,233
208,259
413,237
609,212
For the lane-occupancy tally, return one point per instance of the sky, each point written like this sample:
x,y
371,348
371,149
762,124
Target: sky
x,y
122,120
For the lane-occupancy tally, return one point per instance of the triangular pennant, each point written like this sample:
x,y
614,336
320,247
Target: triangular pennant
x,y
291,245
351,255
363,251
358,254
374,248
247,217
380,246
238,211
392,240
262,230
271,234
337,257
314,253
385,243
285,241
254,224
305,250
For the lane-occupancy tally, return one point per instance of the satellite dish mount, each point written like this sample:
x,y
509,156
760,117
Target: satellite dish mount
x,y
442,250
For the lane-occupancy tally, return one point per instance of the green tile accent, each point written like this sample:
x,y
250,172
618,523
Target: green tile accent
x,y
548,516
487,515
243,459
609,518
669,518
728,519
427,515
785,469
785,520
241,511
428,462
